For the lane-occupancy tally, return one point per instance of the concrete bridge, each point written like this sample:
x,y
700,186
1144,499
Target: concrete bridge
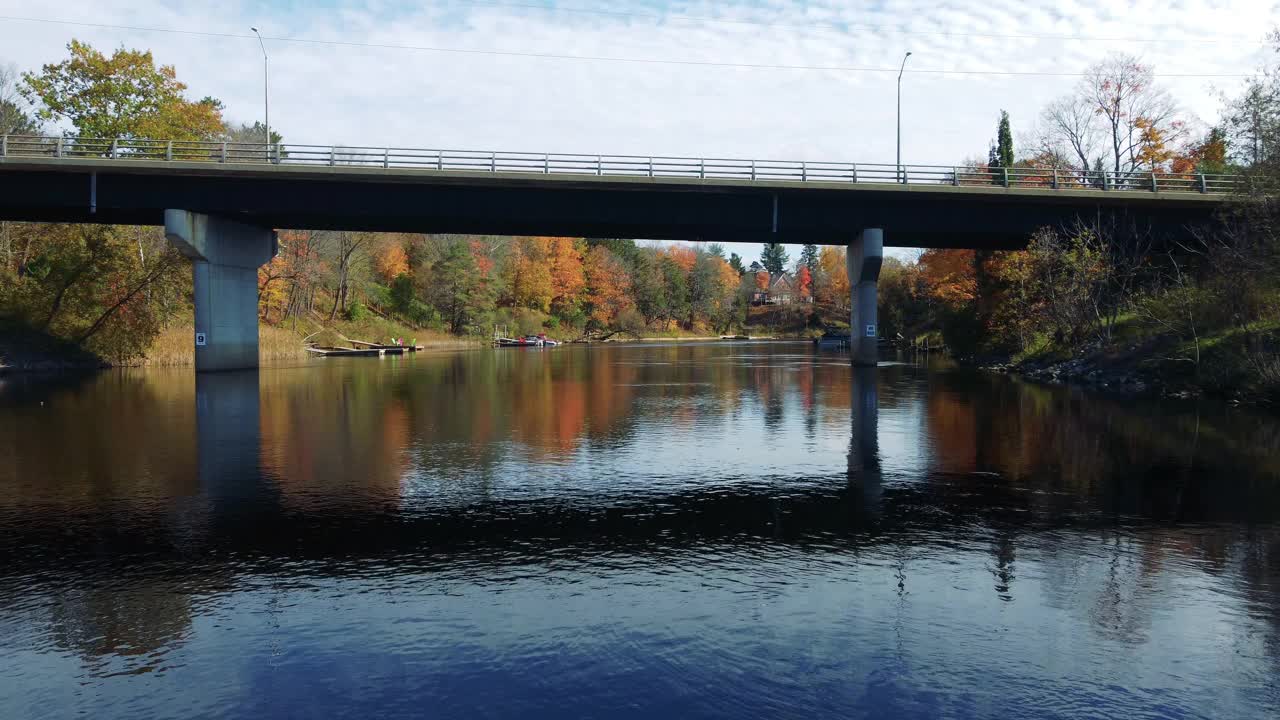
x,y
220,203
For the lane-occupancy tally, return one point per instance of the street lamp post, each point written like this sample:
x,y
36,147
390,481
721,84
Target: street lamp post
x,y
266,99
902,176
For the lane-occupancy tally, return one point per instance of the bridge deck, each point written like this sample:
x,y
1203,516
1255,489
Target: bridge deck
x,y
524,193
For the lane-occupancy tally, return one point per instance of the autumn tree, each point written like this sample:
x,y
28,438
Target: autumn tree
x,y
568,280
951,281
608,288
1117,110
804,282
832,284
683,256
1123,93
712,286
527,275
122,96
389,258
903,300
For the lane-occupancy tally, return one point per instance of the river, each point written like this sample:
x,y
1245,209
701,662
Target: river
x,y
699,530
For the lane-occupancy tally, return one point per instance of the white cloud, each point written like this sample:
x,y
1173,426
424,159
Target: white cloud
x,y
358,95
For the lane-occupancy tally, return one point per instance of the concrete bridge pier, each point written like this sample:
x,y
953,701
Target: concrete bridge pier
x,y
225,257
865,255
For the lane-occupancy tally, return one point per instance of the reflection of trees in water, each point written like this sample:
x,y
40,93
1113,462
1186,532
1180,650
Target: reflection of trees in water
x,y
96,438
1021,464
1075,448
98,622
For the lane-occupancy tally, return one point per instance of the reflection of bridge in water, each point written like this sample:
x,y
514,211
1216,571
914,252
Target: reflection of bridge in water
x,y
243,513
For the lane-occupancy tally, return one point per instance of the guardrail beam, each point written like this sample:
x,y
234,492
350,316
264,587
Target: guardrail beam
x,y
618,165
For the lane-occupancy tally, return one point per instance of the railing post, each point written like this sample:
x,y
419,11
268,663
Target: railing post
x,y
702,168
955,176
333,156
546,163
599,165
853,172
1154,186
168,150
1106,180
59,150
804,171
386,158
753,169
115,148
1005,172
650,167
4,145
1204,186
493,162
1055,179
224,152
440,160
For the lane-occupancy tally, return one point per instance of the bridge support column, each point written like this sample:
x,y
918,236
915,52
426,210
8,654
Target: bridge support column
x,y
225,256
864,258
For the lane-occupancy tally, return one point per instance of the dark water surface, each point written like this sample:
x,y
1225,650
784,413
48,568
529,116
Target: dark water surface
x,y
703,530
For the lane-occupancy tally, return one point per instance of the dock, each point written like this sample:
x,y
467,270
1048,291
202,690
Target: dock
x,y
360,348
388,349
346,352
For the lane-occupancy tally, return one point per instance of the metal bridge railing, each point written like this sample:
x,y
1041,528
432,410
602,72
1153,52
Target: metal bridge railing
x,y
127,149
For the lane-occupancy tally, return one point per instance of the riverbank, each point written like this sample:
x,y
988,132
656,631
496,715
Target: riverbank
x,y
1237,366
23,350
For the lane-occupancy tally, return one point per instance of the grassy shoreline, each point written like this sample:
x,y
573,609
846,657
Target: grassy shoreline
x,y
23,350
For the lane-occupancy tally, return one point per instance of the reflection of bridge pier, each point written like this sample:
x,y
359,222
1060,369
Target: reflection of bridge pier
x,y
864,443
228,438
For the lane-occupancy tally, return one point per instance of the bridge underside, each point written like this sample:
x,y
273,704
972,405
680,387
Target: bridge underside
x,y
506,204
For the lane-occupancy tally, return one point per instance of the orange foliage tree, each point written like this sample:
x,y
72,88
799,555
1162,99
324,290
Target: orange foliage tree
x,y
568,280
762,280
528,275
833,281
950,277
683,256
390,260
608,287
804,282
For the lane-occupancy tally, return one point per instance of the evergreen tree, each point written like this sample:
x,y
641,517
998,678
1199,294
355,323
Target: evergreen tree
x,y
1004,142
774,258
458,291
735,262
1000,156
809,259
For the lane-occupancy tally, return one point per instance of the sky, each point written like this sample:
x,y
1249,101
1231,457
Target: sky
x,y
772,79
